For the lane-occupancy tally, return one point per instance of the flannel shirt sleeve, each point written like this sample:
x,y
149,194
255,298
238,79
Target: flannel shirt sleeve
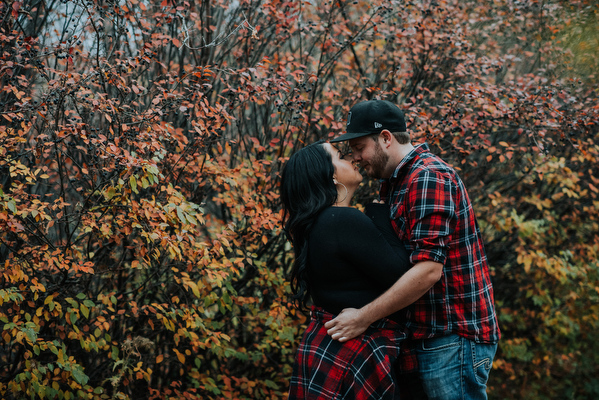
x,y
432,215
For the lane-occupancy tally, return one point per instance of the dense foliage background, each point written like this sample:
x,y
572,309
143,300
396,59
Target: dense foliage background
x,y
140,143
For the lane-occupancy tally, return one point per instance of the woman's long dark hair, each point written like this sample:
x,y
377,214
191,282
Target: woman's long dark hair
x,y
307,188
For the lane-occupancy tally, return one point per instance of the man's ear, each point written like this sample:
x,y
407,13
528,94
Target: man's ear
x,y
386,136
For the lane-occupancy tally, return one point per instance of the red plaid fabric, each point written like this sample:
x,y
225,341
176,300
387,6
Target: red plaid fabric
x,y
359,369
432,213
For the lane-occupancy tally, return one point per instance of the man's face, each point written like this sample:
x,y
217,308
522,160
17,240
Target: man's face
x,y
370,155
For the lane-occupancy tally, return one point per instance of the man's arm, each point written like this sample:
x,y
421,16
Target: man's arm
x,y
410,287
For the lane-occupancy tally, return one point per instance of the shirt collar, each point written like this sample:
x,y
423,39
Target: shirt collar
x,y
421,148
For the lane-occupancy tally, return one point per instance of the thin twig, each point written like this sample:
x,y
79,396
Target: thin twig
x,y
244,24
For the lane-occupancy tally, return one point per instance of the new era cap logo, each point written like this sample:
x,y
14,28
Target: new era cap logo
x,y
348,118
377,125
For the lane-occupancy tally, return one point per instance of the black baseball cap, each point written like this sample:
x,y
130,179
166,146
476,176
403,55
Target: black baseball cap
x,y
372,116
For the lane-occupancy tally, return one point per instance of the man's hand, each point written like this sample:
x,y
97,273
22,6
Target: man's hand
x,y
350,323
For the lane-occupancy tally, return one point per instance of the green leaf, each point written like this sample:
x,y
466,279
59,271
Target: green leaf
x,y
181,215
192,220
89,303
271,384
79,375
31,334
12,206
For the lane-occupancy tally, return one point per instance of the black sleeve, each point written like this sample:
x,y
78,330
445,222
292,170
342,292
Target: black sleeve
x,y
369,250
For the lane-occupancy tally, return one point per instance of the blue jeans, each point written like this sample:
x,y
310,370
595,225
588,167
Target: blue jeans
x,y
450,368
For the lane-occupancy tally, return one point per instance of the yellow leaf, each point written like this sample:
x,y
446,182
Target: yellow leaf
x,y
194,288
133,183
159,358
180,356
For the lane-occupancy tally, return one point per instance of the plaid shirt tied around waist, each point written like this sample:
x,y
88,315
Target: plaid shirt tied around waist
x,y
360,369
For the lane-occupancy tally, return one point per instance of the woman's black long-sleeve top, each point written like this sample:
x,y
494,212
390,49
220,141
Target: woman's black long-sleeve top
x,y
353,258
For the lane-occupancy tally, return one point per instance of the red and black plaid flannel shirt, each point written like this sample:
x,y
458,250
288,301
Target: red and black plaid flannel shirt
x,y
360,369
432,213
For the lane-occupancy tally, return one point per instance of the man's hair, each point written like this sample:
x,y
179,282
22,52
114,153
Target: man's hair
x,y
401,137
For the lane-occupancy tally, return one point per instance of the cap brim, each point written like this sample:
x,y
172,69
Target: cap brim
x,y
349,136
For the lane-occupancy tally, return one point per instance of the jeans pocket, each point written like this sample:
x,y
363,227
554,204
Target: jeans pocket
x,y
441,343
482,360
440,364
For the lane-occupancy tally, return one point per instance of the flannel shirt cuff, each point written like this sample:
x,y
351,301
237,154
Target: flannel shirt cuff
x,y
427,255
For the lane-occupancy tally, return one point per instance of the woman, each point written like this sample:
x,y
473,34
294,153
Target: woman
x,y
341,260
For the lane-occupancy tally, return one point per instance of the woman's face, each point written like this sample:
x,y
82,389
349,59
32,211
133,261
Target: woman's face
x,y
345,171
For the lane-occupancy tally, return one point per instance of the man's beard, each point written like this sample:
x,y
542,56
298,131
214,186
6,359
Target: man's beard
x,y
379,162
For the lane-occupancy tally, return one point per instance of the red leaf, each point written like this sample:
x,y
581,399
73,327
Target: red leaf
x,y
15,8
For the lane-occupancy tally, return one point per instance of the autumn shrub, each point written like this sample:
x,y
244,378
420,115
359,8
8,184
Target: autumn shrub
x,y
137,247
140,145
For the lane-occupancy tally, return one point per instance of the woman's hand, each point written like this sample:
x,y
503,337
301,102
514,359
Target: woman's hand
x,y
350,323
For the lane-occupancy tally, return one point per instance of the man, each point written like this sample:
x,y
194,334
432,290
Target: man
x,y
446,297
